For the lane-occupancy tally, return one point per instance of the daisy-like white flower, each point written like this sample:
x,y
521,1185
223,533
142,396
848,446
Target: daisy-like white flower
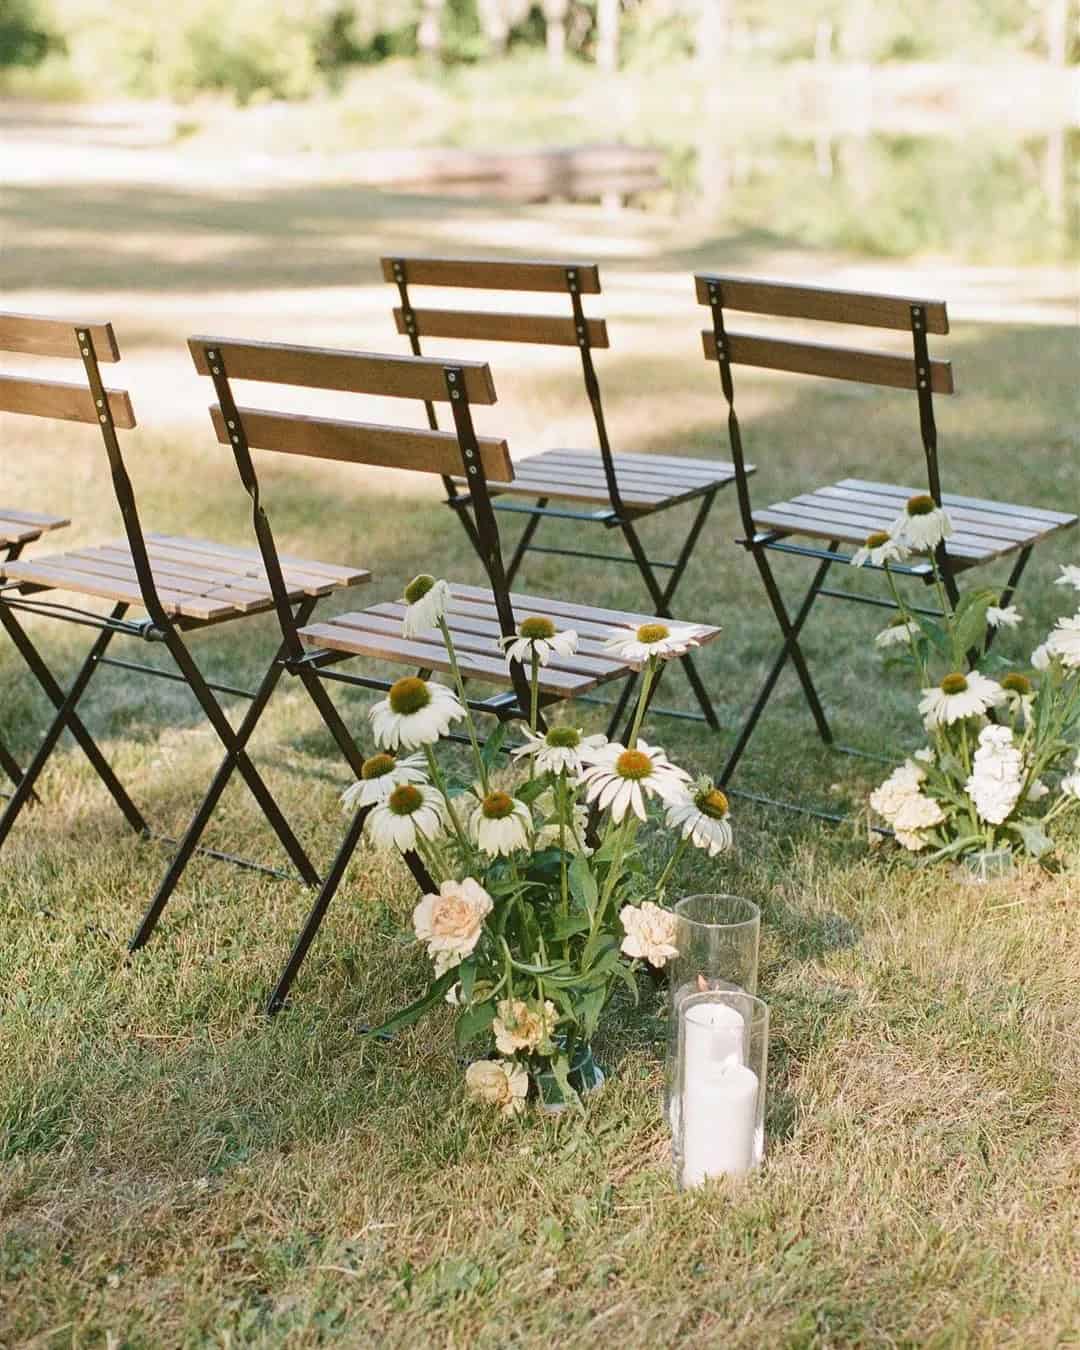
x,y
1040,657
636,645
415,712
500,824
380,775
427,600
922,525
1019,694
620,779
572,834
997,775
522,1027
503,1084
899,633
1009,617
537,636
450,923
650,933
1064,641
560,750
959,696
409,812
879,550
703,819
1070,576
1070,785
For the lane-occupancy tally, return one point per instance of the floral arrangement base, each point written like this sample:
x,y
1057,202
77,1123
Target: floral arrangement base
x,y
989,864
585,1076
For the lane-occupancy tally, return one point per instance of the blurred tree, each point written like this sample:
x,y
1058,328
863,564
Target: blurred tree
x,y
25,36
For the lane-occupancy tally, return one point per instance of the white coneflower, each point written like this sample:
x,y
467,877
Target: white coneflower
x,y
900,633
959,696
1070,784
500,824
703,819
537,636
427,600
571,835
1064,641
1019,694
1070,576
560,750
1009,617
415,712
879,550
636,645
1040,657
380,775
412,811
650,933
619,780
997,775
922,525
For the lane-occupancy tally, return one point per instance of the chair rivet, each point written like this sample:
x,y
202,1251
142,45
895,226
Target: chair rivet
x,y
236,440
469,454
231,425
451,376
102,418
101,403
210,355
922,384
86,351
455,393
472,468
82,337
215,370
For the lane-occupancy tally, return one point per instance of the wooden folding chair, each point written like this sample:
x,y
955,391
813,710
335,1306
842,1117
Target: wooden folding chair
x,y
17,529
183,585
616,491
847,511
477,617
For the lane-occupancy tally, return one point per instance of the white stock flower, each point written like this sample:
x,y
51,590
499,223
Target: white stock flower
x,y
997,775
380,775
879,550
537,636
636,645
1070,576
415,712
900,633
450,923
1009,617
411,811
1064,641
521,1027
500,824
426,600
650,933
560,750
620,780
922,525
959,696
498,1083
703,819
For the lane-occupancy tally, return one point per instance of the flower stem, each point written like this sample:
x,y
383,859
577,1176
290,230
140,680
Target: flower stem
x,y
459,683
680,849
440,783
642,703
534,693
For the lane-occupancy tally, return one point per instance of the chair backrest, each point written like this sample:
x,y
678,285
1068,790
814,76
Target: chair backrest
x,y
89,401
568,278
918,372
482,459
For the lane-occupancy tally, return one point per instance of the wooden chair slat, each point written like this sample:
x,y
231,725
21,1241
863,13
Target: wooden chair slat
x,y
181,575
469,324
629,472
418,377
659,468
364,443
36,336
870,517
786,300
594,631
57,575
837,363
56,398
792,519
566,612
595,496
967,519
537,274
1036,514
343,576
482,619
23,527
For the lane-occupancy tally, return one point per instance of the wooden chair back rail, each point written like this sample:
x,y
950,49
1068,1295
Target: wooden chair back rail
x,y
364,443
783,300
417,377
55,337
68,402
487,274
463,323
837,363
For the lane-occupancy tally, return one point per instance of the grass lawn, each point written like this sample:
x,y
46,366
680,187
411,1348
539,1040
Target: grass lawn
x,y
178,1171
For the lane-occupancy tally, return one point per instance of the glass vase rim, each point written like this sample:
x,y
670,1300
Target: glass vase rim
x,y
757,1007
752,917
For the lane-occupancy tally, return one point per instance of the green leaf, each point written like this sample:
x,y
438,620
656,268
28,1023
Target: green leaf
x,y
489,751
467,978
415,1011
590,1006
935,635
970,621
528,792
1036,841
583,883
472,1022
567,925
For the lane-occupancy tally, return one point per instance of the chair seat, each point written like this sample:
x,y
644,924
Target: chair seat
x,y
646,482
196,579
23,527
853,508
474,626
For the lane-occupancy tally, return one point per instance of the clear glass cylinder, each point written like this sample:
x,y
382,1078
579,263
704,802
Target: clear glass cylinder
x,y
987,865
719,1086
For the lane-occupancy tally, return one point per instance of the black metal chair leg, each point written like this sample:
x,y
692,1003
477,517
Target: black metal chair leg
x,y
11,766
66,718
1010,590
318,911
791,630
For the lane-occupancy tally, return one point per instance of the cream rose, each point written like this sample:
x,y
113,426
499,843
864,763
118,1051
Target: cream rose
x,y
650,933
519,1027
452,921
499,1084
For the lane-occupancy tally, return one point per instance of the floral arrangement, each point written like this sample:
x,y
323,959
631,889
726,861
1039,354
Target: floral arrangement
x,y
998,736
543,903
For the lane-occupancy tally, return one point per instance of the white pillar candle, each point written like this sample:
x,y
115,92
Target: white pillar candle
x,y
713,1034
719,1123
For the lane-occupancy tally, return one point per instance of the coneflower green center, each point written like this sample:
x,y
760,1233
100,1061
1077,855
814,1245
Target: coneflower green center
x,y
563,738
921,505
404,800
1017,684
409,695
418,588
378,766
537,627
877,539
653,632
497,805
633,764
954,684
712,803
